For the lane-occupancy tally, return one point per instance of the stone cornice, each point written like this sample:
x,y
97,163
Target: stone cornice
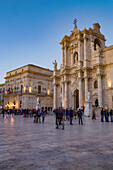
x,y
66,38
69,70
28,66
27,71
110,64
2,85
108,48
94,33
109,88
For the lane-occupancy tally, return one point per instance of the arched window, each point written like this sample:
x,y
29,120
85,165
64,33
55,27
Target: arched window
x,y
96,103
14,102
96,84
39,89
75,57
96,42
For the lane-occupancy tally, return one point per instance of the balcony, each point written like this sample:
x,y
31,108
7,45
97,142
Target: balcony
x,y
27,92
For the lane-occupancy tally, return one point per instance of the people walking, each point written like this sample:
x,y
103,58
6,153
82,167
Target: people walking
x,y
71,116
38,116
107,115
80,116
43,115
3,112
111,115
102,115
75,113
94,115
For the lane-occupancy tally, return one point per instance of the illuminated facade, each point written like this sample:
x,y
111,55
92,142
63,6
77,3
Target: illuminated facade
x,y
24,85
87,68
2,92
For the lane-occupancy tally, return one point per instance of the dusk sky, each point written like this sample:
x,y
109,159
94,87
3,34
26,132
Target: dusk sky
x,y
30,30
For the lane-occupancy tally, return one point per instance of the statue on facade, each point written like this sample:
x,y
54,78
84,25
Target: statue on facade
x,y
88,96
98,48
55,65
38,103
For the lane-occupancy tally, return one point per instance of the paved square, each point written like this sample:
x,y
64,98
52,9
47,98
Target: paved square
x,y
25,145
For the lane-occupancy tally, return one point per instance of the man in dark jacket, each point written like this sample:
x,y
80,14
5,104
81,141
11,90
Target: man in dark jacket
x,y
111,115
80,116
3,112
107,115
71,116
102,115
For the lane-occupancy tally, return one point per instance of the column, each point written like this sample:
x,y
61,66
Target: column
x,y
55,96
80,92
65,56
85,51
86,87
62,94
65,95
79,49
62,56
71,57
100,90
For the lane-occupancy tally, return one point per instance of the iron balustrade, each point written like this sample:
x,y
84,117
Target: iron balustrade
x,y
27,92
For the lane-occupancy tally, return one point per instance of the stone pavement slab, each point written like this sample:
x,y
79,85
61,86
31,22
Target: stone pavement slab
x,y
28,146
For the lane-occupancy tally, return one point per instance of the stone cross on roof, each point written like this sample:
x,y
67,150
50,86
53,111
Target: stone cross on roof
x,y
75,22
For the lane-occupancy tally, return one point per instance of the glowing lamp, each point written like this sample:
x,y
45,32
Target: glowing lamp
x,y
109,84
24,89
48,92
30,89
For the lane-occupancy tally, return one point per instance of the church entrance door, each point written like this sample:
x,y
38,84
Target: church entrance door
x,y
76,99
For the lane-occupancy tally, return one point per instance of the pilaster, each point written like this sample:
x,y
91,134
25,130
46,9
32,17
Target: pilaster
x,y
99,90
55,97
85,50
65,95
79,50
62,56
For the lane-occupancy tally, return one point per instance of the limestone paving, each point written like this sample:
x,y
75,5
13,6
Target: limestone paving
x,y
25,145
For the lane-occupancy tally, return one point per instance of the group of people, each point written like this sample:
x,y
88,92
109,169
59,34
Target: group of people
x,y
39,114
105,114
74,113
9,111
61,114
24,112
67,114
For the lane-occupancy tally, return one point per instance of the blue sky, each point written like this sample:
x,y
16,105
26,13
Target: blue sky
x,y
30,30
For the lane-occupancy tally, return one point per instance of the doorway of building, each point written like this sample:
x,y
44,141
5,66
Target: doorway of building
x,y
14,103
76,99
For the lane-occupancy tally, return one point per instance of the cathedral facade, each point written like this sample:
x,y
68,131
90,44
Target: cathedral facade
x,y
86,72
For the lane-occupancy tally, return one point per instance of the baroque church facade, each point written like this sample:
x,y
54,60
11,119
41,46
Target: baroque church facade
x,y
86,72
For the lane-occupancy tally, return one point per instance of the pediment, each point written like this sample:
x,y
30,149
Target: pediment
x,y
94,94
39,82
